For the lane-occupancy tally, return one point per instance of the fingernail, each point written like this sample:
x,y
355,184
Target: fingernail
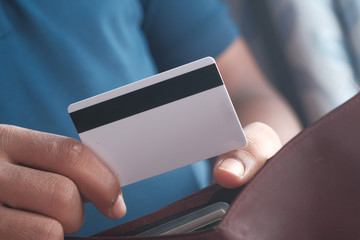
x,y
118,209
232,166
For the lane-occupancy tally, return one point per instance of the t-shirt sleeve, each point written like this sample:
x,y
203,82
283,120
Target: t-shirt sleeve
x,y
182,31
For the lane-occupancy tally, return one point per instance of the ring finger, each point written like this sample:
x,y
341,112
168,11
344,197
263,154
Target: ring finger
x,y
42,192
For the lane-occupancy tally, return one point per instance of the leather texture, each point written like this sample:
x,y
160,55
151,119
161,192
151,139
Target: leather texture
x,y
308,190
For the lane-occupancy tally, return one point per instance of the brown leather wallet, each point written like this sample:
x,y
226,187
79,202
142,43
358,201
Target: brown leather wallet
x,y
309,190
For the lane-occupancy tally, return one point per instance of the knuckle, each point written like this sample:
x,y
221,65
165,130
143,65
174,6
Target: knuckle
x,y
255,150
265,141
66,200
69,151
4,129
253,147
6,133
22,225
7,173
50,229
64,194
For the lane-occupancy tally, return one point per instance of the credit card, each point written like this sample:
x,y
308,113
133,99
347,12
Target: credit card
x,y
160,123
201,219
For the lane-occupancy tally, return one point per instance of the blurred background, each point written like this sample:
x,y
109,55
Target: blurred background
x,y
309,49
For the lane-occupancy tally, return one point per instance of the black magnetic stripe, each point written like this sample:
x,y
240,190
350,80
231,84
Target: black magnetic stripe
x,y
146,98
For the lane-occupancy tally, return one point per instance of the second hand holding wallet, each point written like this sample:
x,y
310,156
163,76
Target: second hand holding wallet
x,y
308,190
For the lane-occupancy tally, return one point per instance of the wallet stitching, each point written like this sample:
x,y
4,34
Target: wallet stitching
x,y
289,148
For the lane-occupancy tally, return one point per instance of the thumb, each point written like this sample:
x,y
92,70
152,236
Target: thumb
x,y
235,168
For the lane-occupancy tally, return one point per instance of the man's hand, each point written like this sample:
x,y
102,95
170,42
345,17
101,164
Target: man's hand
x,y
255,100
44,179
235,168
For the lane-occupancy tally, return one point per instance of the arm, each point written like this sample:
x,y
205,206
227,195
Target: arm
x,y
267,119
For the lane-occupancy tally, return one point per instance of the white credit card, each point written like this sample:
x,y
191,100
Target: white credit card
x,y
160,123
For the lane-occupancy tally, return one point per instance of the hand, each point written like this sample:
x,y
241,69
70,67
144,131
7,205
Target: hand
x,y
235,168
44,179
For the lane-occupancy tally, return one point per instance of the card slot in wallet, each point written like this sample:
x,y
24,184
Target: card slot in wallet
x,y
308,190
200,199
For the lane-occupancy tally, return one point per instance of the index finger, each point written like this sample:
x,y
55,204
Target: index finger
x,y
68,157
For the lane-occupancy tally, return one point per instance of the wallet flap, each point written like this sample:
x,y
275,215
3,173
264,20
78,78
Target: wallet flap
x,y
309,189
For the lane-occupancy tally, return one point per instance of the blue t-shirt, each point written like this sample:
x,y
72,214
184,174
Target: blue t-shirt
x,y
53,53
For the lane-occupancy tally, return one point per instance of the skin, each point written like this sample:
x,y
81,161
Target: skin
x,y
45,178
268,120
